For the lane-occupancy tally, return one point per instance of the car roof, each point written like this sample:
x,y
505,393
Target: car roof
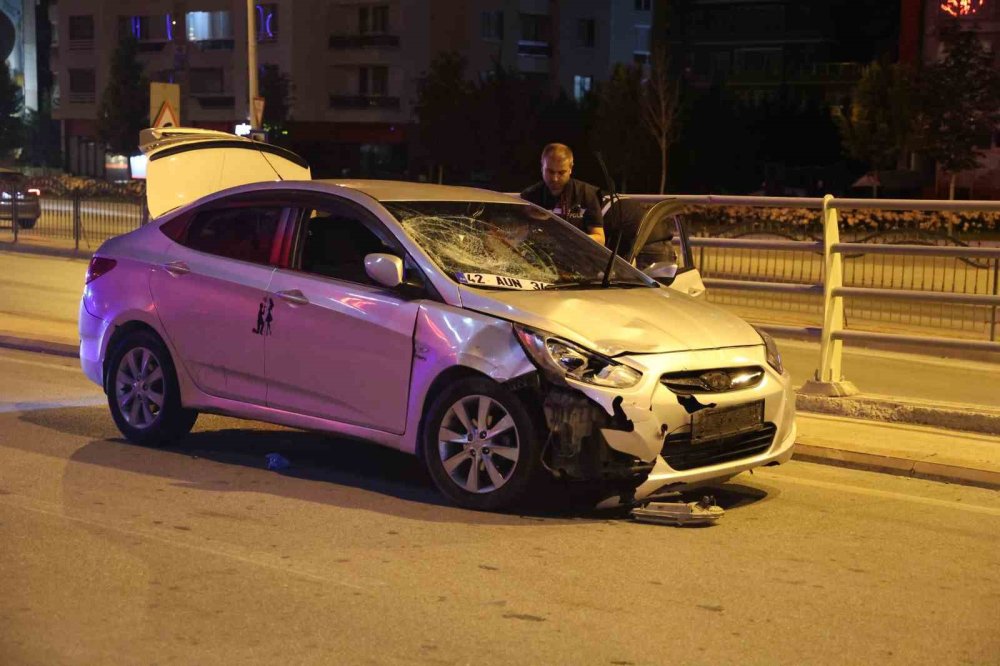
x,y
399,190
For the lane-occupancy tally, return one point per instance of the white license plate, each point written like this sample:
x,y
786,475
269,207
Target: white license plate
x,y
709,424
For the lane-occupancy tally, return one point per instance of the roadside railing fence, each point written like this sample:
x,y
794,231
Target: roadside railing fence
x,y
87,220
906,276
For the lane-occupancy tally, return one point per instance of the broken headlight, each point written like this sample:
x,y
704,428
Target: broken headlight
x,y
561,359
773,355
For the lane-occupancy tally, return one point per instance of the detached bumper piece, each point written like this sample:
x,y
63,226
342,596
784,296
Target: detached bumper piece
x,y
681,454
703,512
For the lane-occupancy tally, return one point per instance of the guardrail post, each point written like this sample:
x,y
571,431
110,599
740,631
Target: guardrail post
x,y
829,380
77,227
996,292
13,214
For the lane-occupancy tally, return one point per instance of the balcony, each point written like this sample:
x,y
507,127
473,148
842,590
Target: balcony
x,y
151,46
212,102
82,97
534,49
363,102
227,44
343,42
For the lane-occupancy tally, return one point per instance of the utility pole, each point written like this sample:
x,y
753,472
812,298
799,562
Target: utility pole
x,y
252,65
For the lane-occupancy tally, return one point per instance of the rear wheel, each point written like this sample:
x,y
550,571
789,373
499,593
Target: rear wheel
x,y
143,392
480,445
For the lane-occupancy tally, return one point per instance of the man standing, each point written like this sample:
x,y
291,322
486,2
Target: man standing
x,y
573,200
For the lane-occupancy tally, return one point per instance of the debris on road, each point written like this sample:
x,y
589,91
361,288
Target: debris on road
x,y
277,461
703,512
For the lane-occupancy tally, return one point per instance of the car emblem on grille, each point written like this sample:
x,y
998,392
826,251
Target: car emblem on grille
x,y
716,380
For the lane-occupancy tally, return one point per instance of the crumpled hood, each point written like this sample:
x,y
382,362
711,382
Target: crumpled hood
x,y
616,321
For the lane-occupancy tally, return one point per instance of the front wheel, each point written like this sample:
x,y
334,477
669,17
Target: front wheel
x,y
481,446
143,392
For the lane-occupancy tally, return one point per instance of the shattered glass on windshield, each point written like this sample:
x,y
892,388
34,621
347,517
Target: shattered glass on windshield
x,y
512,245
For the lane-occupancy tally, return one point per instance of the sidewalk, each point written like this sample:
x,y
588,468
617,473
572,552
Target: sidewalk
x,y
920,416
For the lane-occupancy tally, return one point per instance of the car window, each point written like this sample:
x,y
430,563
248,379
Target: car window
x,y
509,246
246,233
336,240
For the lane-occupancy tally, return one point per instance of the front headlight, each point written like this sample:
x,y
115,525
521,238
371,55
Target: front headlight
x,y
561,359
773,355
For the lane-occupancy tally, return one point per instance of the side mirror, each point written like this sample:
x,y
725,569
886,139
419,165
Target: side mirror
x,y
385,269
662,270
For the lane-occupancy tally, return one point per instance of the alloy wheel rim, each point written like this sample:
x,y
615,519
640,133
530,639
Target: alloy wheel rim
x,y
139,388
478,444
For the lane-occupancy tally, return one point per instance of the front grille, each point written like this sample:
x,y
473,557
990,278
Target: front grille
x,y
717,380
681,454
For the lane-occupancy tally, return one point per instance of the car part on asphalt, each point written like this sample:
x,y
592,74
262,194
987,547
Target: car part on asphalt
x,y
703,512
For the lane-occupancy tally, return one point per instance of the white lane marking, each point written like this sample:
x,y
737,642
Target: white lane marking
x,y
76,369
27,502
8,407
872,492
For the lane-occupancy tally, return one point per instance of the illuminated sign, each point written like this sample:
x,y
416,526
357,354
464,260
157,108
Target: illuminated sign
x,y
961,7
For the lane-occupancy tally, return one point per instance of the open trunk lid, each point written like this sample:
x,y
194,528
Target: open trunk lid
x,y
186,164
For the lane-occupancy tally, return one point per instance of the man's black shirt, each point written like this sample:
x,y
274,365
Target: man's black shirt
x,y
579,203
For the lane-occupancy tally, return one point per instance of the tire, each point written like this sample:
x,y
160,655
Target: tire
x,y
507,463
143,393
26,223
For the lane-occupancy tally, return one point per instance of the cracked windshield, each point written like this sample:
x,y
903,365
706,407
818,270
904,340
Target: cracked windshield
x,y
509,246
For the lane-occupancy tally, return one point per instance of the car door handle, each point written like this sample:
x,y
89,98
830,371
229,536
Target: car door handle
x,y
177,268
293,296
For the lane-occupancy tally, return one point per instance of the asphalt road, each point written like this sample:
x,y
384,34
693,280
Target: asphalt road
x,y
115,553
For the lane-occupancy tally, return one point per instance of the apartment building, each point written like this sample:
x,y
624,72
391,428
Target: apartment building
x,y
760,49
923,24
354,64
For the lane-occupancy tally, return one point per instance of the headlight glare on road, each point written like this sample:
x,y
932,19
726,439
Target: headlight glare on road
x,y
561,360
773,355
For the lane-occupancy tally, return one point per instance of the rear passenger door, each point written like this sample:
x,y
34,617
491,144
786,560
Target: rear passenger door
x,y
342,346
211,294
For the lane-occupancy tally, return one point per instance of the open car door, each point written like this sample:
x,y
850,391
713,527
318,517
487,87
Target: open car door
x,y
655,240
186,164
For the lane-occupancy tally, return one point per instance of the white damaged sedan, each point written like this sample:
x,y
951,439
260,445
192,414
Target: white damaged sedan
x,y
467,327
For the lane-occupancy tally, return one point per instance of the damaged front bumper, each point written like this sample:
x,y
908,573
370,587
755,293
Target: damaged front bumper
x,y
641,442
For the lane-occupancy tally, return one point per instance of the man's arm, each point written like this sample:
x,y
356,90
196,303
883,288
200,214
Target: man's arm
x,y
597,233
593,218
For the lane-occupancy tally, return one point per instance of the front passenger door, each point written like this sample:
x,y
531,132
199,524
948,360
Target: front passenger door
x,y
341,347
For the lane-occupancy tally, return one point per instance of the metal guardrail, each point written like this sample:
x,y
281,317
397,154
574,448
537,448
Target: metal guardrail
x,y
833,333
86,220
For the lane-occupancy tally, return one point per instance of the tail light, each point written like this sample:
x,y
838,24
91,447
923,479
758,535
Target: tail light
x,y
34,190
98,267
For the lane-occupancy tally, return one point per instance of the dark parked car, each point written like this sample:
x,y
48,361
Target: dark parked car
x,y
12,188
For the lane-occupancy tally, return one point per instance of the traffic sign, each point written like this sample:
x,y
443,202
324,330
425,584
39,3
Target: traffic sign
x,y
166,117
258,112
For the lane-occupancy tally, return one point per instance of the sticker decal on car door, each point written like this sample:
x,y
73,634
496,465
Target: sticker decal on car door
x,y
264,318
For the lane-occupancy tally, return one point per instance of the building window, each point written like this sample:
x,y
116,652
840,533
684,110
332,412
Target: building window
x,y
373,81
373,20
267,23
82,86
209,26
536,27
641,49
81,28
146,28
582,86
586,33
643,5
206,80
492,25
